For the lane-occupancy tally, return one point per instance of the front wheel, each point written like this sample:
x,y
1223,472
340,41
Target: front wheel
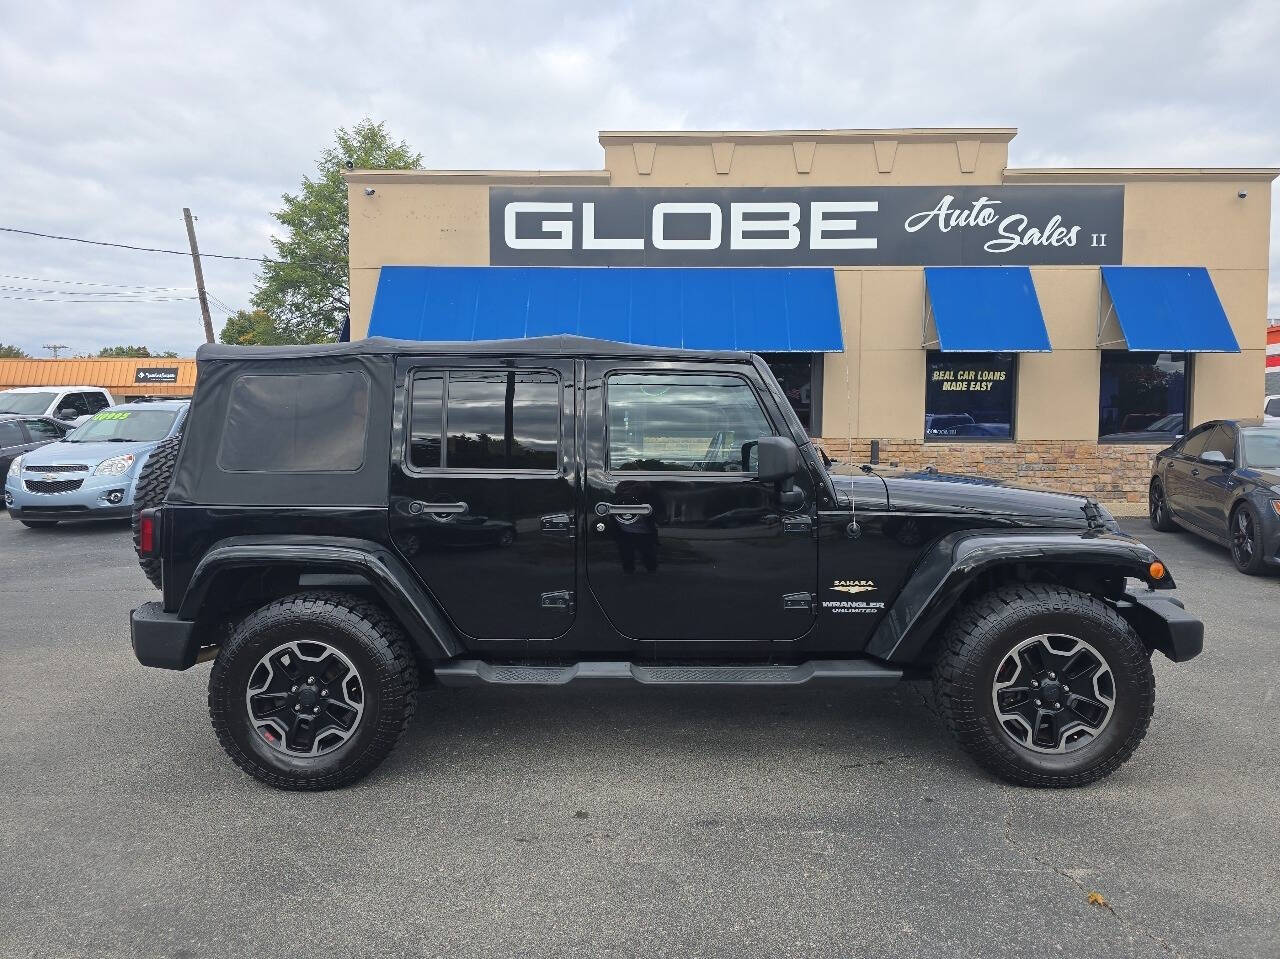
x,y
313,691
1246,542
1044,685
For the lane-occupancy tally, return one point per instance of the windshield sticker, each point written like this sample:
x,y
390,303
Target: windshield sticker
x,y
112,415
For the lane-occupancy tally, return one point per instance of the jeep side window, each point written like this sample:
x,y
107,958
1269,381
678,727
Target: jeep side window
x,y
493,420
683,422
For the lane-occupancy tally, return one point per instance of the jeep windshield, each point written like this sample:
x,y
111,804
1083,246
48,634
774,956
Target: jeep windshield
x,y
25,402
125,426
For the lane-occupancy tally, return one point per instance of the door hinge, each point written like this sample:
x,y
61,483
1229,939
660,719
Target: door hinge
x,y
802,523
805,601
559,599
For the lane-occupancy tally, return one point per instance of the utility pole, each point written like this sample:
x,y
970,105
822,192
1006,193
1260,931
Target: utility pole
x,y
195,259
56,348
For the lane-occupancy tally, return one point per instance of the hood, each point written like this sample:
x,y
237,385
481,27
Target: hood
x,y
929,491
88,454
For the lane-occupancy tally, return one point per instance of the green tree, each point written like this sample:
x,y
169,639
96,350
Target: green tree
x,y
124,351
8,352
251,328
304,289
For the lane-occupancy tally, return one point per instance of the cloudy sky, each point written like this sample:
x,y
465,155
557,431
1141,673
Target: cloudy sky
x,y
113,117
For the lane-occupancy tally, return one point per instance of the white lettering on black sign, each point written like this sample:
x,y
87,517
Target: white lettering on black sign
x,y
872,226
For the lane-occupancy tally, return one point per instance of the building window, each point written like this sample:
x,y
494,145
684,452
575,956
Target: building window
x,y
969,396
1143,397
800,376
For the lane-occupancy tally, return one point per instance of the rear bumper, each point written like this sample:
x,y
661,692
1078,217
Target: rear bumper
x,y
1163,624
161,639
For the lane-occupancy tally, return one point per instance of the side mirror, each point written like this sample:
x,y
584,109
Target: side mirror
x,y
67,413
1214,457
778,458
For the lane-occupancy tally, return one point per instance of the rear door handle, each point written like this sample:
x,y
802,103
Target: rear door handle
x,y
623,509
417,506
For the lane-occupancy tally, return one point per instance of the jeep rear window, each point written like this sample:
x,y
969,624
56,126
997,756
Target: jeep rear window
x,y
494,420
296,423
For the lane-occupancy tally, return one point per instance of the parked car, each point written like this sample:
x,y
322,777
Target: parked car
x,y
71,404
90,473
22,434
677,528
1222,481
1271,410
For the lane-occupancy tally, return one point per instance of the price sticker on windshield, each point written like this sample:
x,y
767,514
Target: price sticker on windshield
x,y
112,415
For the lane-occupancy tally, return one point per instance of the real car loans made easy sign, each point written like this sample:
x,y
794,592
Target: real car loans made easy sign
x,y
816,226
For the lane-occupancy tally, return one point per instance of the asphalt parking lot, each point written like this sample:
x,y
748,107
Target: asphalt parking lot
x,y
619,823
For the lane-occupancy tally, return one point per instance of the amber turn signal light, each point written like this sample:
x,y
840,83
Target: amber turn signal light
x,y
1156,570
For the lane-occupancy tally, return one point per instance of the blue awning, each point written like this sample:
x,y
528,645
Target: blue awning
x,y
1172,309
981,309
763,310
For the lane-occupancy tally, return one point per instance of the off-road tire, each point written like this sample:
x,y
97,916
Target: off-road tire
x,y
38,523
1158,509
367,636
982,633
150,490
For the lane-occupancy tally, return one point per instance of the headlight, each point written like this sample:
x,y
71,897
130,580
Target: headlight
x,y
1275,503
15,467
116,466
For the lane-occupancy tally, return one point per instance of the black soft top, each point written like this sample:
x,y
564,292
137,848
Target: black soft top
x,y
560,345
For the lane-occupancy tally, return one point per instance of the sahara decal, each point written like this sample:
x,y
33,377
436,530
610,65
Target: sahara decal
x,y
852,606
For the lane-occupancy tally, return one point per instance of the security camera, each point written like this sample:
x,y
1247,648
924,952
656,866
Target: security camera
x,y
369,191
1242,194
350,165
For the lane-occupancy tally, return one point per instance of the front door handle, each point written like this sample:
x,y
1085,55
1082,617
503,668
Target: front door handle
x,y
623,509
417,507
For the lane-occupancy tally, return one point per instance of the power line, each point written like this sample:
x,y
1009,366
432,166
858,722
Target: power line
x,y
128,246
28,289
36,299
123,286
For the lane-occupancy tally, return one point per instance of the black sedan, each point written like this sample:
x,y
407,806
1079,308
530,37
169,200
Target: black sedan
x,y
20,434
1222,480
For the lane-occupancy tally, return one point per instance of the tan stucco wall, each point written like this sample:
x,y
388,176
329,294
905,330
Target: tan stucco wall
x,y
876,388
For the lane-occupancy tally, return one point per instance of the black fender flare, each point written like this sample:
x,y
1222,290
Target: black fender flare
x,y
951,565
404,597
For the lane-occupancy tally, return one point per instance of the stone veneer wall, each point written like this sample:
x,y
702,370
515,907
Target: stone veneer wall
x,y
1110,473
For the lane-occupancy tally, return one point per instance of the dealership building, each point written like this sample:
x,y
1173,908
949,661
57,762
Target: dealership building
x,y
908,287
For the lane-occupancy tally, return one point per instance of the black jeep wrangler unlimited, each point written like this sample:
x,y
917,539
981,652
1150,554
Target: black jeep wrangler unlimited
x,y
340,524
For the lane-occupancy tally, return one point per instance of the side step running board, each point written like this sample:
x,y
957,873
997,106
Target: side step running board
x,y
473,672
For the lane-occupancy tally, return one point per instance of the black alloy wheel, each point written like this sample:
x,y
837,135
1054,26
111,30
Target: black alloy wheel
x,y
1053,693
1246,545
305,698
1158,509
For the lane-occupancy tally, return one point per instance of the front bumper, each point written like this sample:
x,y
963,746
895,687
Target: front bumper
x,y
1164,624
161,639
98,497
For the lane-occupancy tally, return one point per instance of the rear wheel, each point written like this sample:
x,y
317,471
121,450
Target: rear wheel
x,y
152,487
1158,509
1246,543
1044,686
313,691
